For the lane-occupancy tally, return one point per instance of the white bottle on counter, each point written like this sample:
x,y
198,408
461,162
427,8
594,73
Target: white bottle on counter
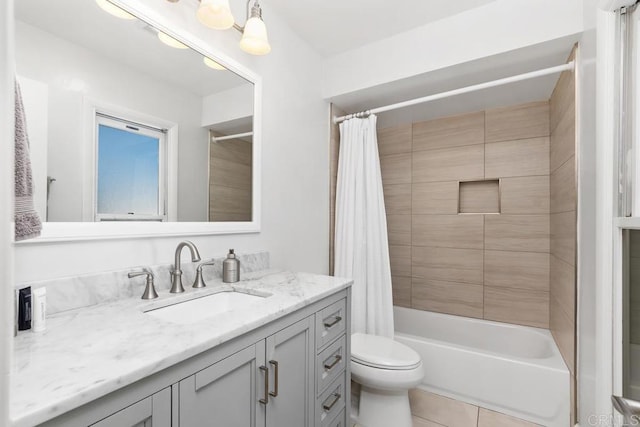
x,y
39,315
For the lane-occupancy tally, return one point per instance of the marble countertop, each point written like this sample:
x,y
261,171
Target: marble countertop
x,y
87,353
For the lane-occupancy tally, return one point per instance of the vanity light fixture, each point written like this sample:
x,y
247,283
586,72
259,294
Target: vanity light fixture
x,y
170,41
217,14
114,10
213,64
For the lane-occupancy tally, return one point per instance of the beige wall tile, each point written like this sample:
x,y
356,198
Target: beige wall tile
x,y
563,140
449,164
420,422
447,132
562,284
397,199
400,257
234,150
401,287
448,231
563,187
517,122
563,330
394,140
524,270
520,306
523,157
456,265
487,418
461,299
527,233
396,168
442,410
563,96
524,195
480,197
563,236
399,229
435,198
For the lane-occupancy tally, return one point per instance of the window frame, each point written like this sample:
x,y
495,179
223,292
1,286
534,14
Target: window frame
x,y
133,126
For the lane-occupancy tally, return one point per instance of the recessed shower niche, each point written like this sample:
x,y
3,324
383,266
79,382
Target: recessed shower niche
x,y
479,197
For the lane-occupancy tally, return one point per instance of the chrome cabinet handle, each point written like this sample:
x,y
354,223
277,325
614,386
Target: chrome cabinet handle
x,y
335,320
336,360
336,397
265,400
275,374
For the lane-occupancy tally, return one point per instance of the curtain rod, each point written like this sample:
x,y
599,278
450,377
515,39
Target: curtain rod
x,y
467,89
226,137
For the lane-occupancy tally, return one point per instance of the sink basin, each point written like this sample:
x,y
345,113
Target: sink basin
x,y
195,310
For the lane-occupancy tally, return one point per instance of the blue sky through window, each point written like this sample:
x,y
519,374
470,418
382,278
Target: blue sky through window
x,y
128,168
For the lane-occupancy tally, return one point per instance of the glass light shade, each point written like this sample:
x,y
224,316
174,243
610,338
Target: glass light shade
x,y
254,38
170,41
215,14
213,64
114,10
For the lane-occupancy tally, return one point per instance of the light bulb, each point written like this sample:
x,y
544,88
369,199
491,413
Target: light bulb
x,y
114,10
215,14
170,41
254,38
213,64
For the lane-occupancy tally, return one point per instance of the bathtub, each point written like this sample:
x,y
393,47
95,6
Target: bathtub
x,y
516,370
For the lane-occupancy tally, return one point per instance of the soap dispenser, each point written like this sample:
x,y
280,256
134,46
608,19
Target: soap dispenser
x,y
231,268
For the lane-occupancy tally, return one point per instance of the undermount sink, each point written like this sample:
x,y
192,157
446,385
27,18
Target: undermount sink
x,y
195,310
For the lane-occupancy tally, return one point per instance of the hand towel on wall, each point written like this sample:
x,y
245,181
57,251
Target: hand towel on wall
x,y
27,221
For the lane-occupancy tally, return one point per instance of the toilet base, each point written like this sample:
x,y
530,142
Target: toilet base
x,y
384,408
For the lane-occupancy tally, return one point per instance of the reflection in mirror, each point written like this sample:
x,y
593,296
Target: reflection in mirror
x,y
631,315
127,123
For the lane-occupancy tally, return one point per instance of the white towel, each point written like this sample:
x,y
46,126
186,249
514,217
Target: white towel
x,y
27,221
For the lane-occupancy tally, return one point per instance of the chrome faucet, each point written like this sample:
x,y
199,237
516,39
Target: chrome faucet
x,y
176,273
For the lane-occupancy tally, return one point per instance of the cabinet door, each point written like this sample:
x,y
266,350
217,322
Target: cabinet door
x,y
290,357
226,393
154,411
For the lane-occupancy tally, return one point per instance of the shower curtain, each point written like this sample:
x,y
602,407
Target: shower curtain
x,y
361,247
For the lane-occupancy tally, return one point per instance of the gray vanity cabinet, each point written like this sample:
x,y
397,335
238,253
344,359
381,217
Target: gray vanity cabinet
x,y
225,393
154,411
267,384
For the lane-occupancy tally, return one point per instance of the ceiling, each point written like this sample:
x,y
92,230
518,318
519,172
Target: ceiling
x,y
131,43
335,26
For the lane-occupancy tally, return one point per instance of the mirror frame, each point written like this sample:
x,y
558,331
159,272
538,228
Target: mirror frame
x,y
80,231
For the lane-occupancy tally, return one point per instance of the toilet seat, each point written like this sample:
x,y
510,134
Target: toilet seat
x,y
382,353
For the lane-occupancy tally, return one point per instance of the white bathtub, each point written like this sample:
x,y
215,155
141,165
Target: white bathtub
x,y
516,370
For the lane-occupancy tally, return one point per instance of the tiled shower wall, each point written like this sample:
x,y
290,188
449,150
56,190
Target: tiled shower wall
x,y
493,261
562,165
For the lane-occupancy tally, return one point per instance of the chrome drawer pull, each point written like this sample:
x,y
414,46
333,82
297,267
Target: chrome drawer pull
x,y
336,360
265,400
336,398
335,320
275,365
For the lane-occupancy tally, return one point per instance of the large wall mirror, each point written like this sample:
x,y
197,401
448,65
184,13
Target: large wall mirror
x,y
130,128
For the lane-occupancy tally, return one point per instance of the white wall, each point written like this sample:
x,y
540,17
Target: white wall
x,y
586,279
232,104
498,27
76,75
6,205
295,189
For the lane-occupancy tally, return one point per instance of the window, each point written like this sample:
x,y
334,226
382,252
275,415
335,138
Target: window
x,y
130,176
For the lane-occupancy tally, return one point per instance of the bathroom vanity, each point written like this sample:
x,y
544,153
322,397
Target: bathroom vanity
x,y
273,353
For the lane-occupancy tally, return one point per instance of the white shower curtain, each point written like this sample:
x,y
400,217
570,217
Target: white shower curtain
x,y
361,247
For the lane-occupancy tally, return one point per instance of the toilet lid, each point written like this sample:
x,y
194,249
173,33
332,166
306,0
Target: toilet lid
x,y
382,352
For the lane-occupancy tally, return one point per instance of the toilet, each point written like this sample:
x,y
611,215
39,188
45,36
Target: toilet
x,y
385,370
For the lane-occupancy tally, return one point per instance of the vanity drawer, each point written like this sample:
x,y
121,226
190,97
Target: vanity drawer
x,y
330,323
330,363
331,402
